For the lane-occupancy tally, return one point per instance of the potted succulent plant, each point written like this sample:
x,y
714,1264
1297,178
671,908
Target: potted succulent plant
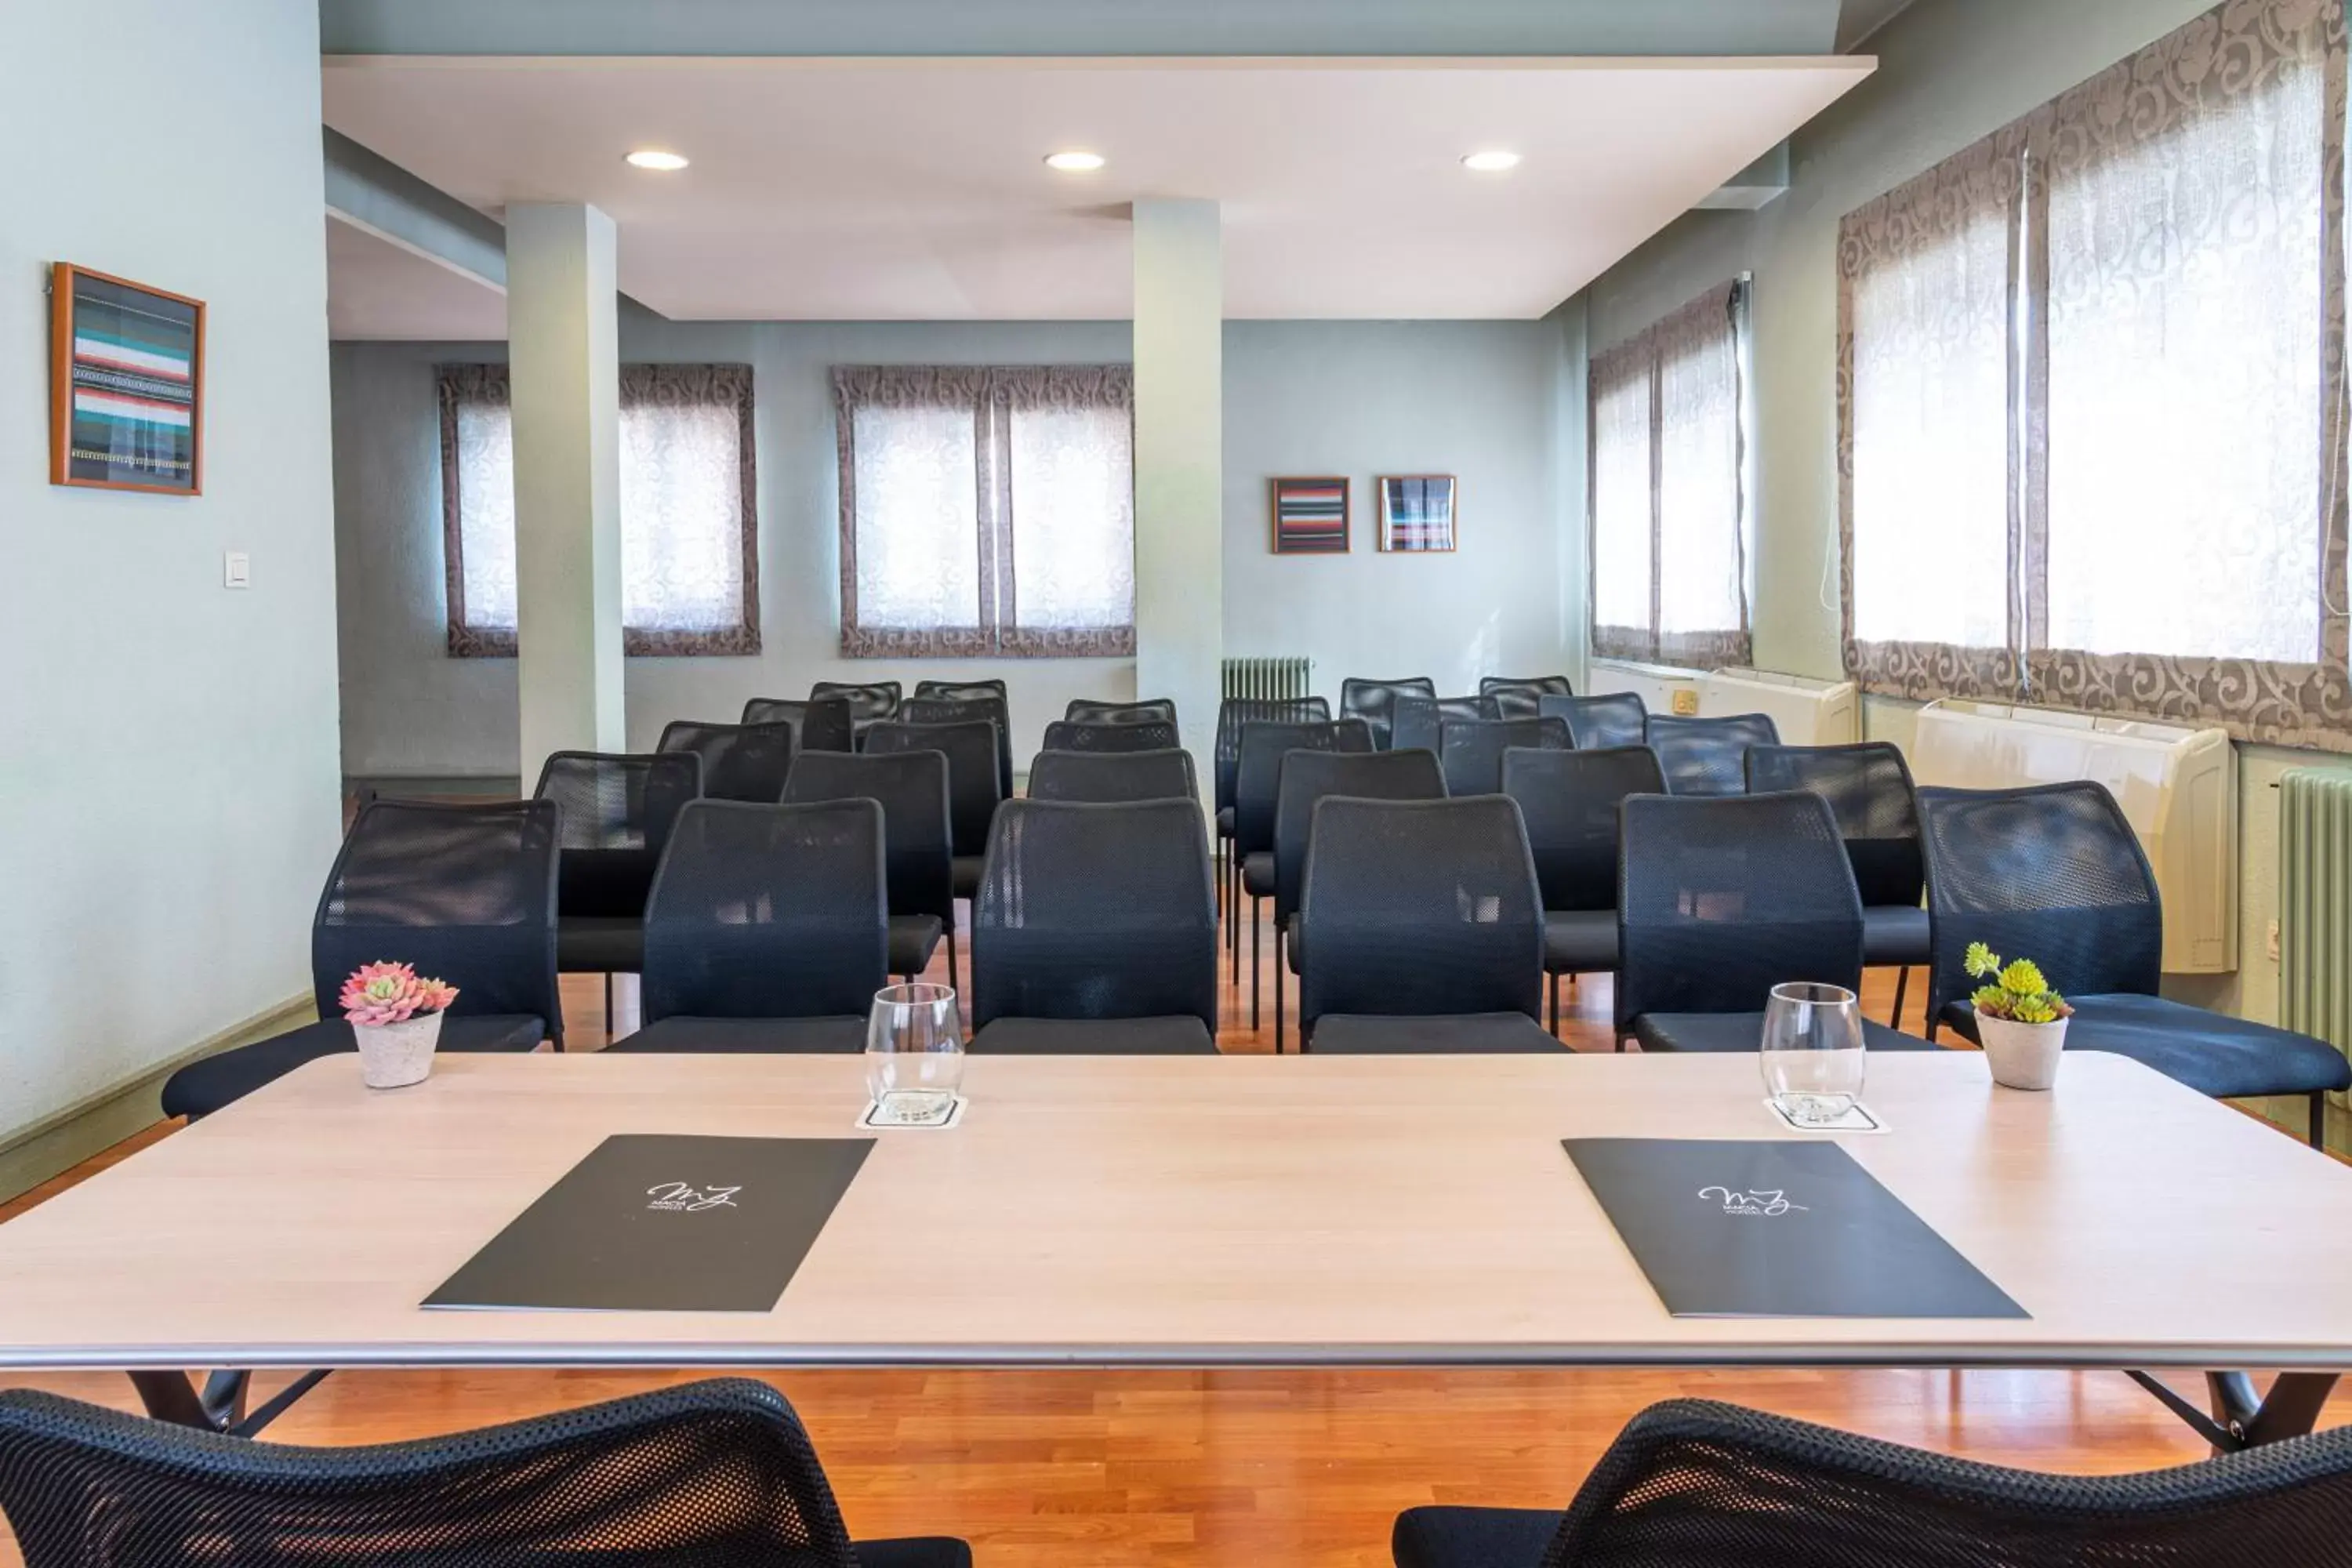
x,y
2021,1022
395,1015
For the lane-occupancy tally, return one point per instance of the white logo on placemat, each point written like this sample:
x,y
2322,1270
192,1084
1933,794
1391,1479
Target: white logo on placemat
x,y
1770,1203
679,1197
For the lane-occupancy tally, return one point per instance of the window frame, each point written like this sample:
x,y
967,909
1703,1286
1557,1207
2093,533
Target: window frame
x,y
459,384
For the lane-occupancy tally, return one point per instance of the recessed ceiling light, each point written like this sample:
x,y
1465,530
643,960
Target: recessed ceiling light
x,y
655,158
1490,163
1075,162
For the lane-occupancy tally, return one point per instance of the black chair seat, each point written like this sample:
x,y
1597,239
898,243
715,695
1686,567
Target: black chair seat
x,y
913,940
1736,1032
600,944
1224,822
1580,941
1473,1537
1461,1034
1896,933
684,1036
203,1087
913,1551
966,874
1257,874
2212,1053
1177,1037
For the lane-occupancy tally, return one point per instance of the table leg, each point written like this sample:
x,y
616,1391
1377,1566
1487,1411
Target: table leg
x,y
220,1404
2240,1418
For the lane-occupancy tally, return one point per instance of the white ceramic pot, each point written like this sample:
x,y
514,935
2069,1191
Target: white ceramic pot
x,y
2021,1056
392,1055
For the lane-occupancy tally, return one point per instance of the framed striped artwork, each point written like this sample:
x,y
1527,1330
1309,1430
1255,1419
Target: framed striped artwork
x,y
1310,517
1416,513
126,384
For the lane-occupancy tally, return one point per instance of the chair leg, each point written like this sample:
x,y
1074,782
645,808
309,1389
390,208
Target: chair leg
x,y
2319,1119
1254,905
608,1006
1233,930
1279,967
1555,1004
1902,980
951,956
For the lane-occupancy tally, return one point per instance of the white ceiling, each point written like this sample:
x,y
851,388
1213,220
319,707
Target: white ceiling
x,y
875,190
379,290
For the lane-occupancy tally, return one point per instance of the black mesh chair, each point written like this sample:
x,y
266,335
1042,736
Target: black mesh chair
x,y
706,1475
1374,702
1107,778
820,723
965,711
1231,714
1597,724
1471,749
2056,874
1119,735
957,690
740,761
769,929
869,702
1096,931
974,782
613,815
1869,790
1305,779
1521,696
1257,782
465,894
1083,710
1719,900
1707,756
1691,1483
1569,801
1420,928
1418,723
918,840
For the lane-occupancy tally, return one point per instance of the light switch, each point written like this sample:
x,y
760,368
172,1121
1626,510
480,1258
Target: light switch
x,y
236,570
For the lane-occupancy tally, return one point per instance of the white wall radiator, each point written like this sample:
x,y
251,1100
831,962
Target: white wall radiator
x,y
2315,904
1266,679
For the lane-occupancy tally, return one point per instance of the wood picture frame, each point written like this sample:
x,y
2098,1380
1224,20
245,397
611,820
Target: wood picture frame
x,y
1417,513
126,384
1311,515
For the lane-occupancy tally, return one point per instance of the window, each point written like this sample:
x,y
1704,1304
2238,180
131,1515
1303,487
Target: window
x,y
987,510
690,519
1670,523
2093,398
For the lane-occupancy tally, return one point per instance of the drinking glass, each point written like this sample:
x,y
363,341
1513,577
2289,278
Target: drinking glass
x,y
914,1053
1812,1056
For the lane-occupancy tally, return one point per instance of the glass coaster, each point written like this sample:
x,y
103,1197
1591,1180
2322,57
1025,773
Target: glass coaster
x,y
877,1120
1858,1118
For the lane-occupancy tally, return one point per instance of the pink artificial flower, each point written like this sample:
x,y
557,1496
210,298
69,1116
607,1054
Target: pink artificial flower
x,y
378,994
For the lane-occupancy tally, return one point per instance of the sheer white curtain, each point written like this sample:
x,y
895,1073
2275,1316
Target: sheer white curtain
x,y
1702,547
1071,496
1621,505
682,498
917,524
2186,346
484,455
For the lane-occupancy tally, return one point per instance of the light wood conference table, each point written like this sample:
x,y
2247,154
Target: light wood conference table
x,y
1186,1211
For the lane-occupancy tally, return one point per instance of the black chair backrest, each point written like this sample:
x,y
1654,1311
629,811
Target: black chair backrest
x,y
1472,749
1868,787
1419,722
714,1474
973,789
1085,710
1096,911
1707,756
1307,776
869,701
1236,711
1596,723
740,761
1570,800
465,894
822,723
963,710
1522,696
769,912
1691,1482
1416,908
1719,900
2053,873
1127,735
917,826
956,691
1106,778
1257,776
613,814
1373,701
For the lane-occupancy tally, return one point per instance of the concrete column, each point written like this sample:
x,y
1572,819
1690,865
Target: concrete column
x,y
1180,299
562,344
